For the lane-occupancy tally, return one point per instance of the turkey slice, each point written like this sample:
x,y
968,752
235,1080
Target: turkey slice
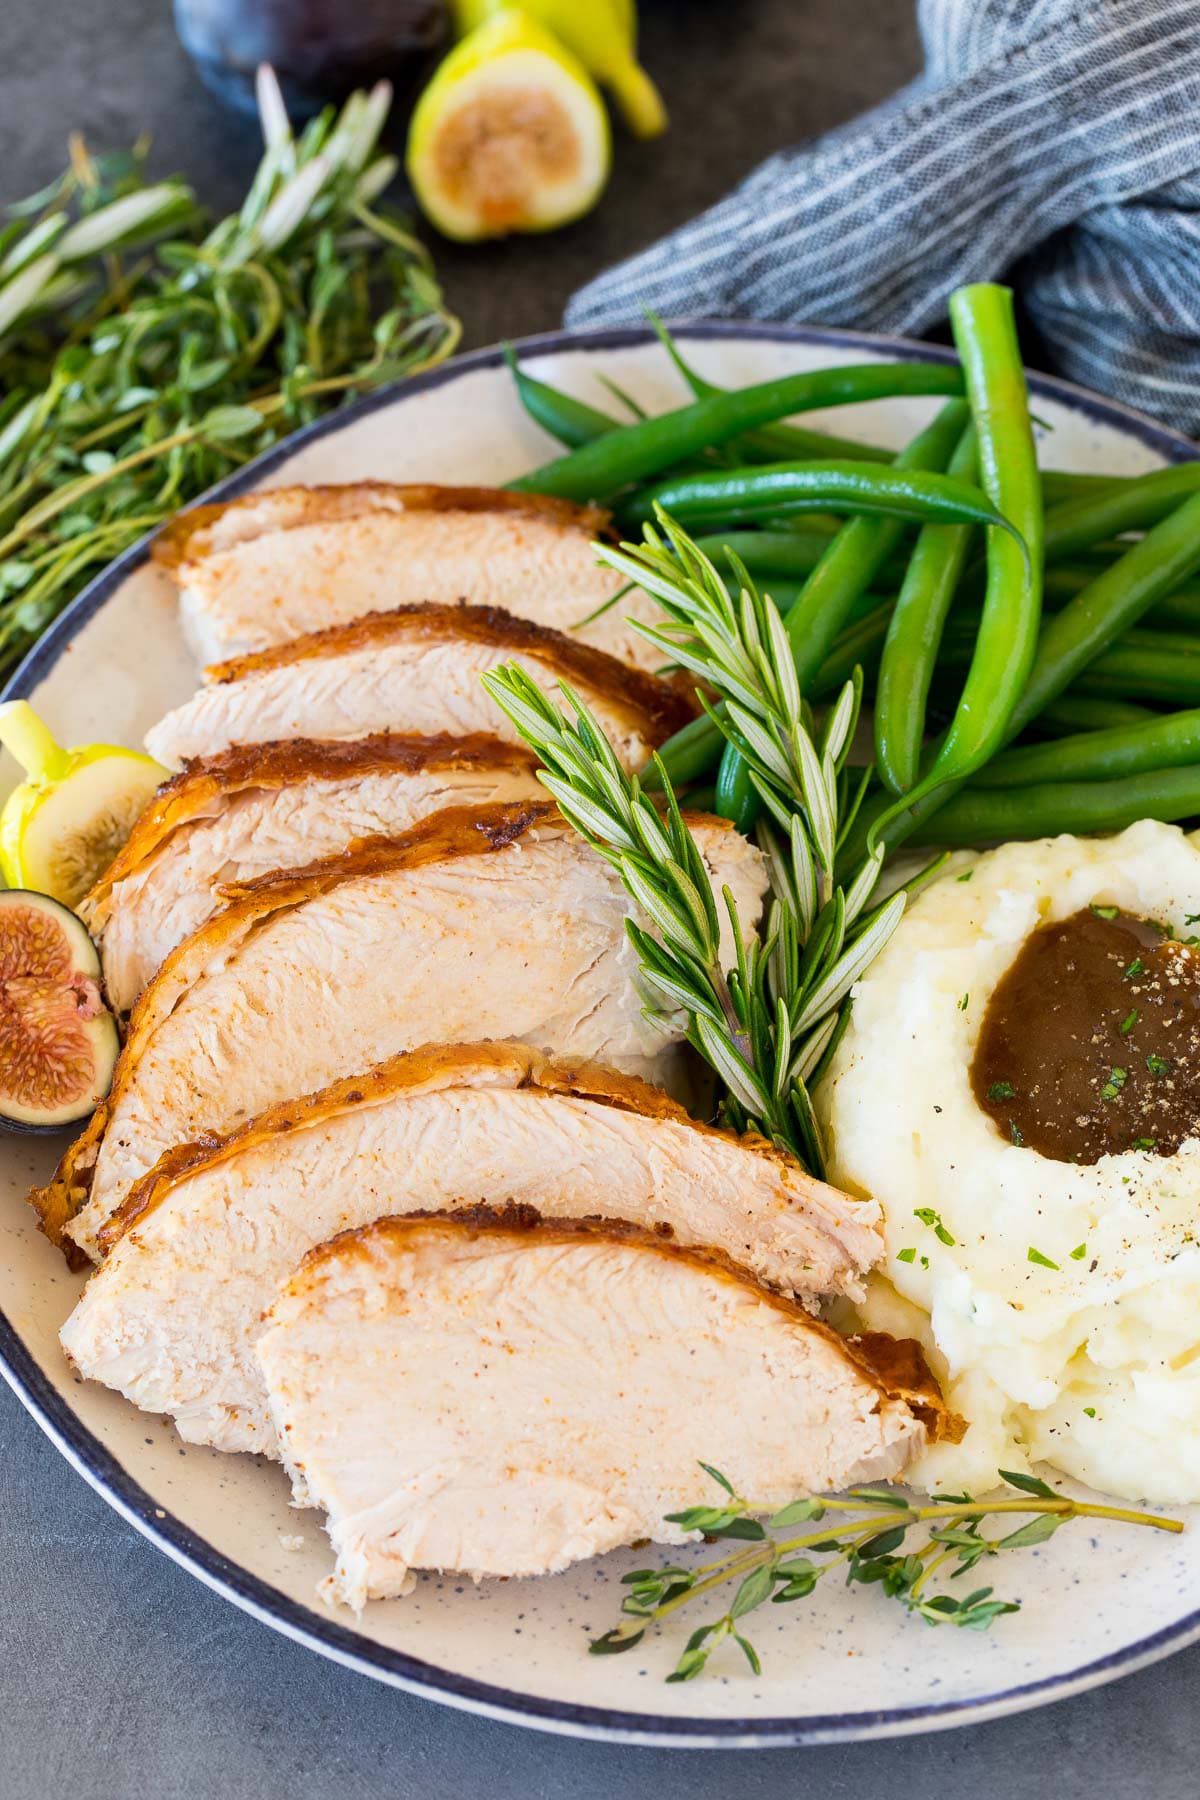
x,y
257,571
499,1394
416,669
258,807
199,1247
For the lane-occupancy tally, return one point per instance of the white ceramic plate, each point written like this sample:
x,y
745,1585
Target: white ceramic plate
x,y
845,1664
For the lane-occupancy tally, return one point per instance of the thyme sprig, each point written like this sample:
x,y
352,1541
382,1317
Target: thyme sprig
x,y
768,1022
865,1534
132,378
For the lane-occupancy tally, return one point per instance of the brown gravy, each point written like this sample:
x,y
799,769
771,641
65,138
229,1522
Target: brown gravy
x,y
1091,1041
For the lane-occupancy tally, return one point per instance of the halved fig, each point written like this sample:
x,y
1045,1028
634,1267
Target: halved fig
x,y
58,1040
510,135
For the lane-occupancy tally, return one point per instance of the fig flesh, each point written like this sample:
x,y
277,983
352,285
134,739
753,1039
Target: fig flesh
x,y
602,34
510,135
58,1040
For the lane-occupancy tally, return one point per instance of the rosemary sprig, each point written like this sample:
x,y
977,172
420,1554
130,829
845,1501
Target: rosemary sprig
x,y
768,1024
868,1542
129,384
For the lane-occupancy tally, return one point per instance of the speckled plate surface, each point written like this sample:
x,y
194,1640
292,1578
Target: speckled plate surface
x,y
842,1665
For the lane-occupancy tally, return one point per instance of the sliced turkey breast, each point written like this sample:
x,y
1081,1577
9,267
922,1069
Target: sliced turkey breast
x,y
260,807
416,670
200,1246
273,566
494,1393
498,921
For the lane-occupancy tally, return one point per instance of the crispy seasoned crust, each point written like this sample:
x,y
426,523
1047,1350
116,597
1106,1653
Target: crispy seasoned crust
x,y
662,706
457,831
453,832
429,1069
189,536
901,1367
288,763
895,1366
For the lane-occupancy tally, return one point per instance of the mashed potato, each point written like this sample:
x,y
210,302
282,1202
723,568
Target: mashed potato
x,y
1093,1366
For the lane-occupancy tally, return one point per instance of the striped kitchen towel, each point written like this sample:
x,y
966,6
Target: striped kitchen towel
x,y
1053,141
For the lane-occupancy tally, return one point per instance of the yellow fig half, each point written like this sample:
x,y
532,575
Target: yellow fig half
x,y
603,35
510,135
62,826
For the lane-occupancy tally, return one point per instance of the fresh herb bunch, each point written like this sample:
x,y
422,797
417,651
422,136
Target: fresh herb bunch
x,y
769,1024
866,1537
129,383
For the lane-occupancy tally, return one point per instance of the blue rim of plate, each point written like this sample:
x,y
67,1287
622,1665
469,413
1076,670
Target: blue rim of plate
x,y
88,1456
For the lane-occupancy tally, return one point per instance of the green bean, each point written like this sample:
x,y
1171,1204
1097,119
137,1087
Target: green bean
x,y
1180,608
1152,665
1063,484
600,470
1084,712
700,799
854,558
1164,741
782,553
914,634
1134,506
628,401
856,647
776,567
571,421
791,443
1154,637
1070,641
1181,645
1109,607
1143,672
979,815
771,443
986,336
768,552
1068,716
689,756
724,496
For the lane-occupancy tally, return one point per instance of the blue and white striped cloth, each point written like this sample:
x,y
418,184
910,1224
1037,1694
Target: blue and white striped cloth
x,y
1056,142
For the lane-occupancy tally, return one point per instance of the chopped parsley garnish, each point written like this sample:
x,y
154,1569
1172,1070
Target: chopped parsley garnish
x,y
1090,1411
1129,1021
1158,1065
1114,1084
964,1002
924,1262
1079,1252
1104,912
1015,1132
1191,918
1001,1090
1135,968
967,874
909,1255
1043,1262
928,1216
